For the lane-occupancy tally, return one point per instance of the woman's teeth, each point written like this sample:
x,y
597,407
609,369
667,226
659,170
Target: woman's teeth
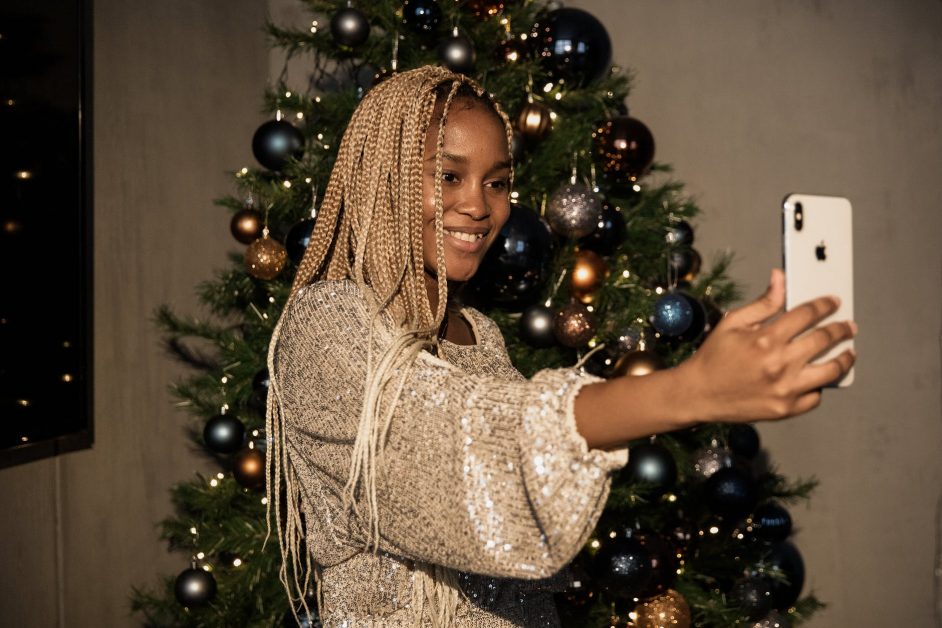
x,y
467,237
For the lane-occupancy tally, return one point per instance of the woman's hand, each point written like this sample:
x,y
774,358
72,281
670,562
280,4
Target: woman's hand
x,y
754,366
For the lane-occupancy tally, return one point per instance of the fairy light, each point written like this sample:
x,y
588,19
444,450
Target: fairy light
x,y
307,179
214,482
200,556
612,534
287,94
220,476
237,562
67,377
24,402
264,501
714,530
24,175
625,274
193,530
547,88
244,171
299,115
287,183
595,544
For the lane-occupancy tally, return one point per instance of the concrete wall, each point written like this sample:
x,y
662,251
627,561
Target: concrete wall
x,y
748,100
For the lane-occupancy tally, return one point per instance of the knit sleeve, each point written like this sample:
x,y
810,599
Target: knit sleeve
x,y
478,473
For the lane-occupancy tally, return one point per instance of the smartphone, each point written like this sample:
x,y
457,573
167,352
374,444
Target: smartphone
x,y
819,259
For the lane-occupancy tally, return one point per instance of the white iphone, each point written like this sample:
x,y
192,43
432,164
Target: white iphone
x,y
819,259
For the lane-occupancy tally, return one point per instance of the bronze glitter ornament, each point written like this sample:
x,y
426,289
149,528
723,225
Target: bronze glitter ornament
x,y
265,258
574,325
638,363
248,467
624,147
573,211
534,121
669,610
247,225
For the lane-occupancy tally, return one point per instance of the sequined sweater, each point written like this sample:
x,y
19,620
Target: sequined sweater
x,y
483,470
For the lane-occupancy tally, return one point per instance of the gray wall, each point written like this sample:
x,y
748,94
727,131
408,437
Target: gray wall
x,y
748,100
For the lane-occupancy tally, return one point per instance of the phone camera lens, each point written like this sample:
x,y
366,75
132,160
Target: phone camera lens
x,y
799,217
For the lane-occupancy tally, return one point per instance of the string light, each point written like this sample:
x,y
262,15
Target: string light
x,y
24,174
237,562
66,377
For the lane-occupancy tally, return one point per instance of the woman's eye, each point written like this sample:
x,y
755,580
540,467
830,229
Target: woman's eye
x,y
449,177
500,184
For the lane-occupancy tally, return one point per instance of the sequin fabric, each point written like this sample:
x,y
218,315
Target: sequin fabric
x,y
483,470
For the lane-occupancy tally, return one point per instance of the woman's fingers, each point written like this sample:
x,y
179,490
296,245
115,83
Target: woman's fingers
x,y
815,376
820,340
803,317
763,308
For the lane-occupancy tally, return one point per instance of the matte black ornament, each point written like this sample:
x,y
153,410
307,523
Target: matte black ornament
x,y
753,595
673,314
611,232
421,16
573,45
457,54
622,567
275,143
224,434
536,326
349,27
602,362
194,587
679,233
771,522
624,147
744,440
684,263
260,384
652,465
299,236
788,559
512,273
731,493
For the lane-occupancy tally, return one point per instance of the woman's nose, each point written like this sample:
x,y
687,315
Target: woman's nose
x,y
472,202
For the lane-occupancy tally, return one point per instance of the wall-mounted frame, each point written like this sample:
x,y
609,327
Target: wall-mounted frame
x,y
45,228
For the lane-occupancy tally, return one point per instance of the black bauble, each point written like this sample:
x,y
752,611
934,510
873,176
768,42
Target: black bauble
x,y
275,143
194,587
512,273
622,567
752,595
652,465
349,27
224,434
787,558
681,261
771,522
457,54
624,147
744,440
573,45
697,322
298,238
731,493
679,233
421,16
536,326
609,234
602,362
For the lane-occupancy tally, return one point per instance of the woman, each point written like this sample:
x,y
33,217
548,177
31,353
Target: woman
x,y
438,486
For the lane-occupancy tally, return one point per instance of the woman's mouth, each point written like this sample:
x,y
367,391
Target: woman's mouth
x,y
466,241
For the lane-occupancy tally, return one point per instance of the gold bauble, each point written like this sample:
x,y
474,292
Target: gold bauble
x,y
573,325
265,258
638,363
668,610
588,272
247,225
534,120
248,467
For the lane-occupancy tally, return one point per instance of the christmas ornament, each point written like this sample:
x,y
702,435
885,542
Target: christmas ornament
x,y
673,314
485,8
684,263
652,465
697,323
629,338
731,493
771,522
512,51
260,385
588,273
787,559
679,233
299,236
573,210
669,610
421,16
744,440
536,326
247,225
534,120
773,619
224,434
637,363
457,53
265,258
573,45
194,587
753,595
516,146
275,143
622,566
608,234
349,27
713,314
624,147
573,325
602,361
662,563
248,467
709,460
512,272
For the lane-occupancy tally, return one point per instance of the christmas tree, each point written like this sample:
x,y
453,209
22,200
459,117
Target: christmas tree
x,y
599,271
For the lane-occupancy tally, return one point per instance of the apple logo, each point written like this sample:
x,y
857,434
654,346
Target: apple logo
x,y
819,251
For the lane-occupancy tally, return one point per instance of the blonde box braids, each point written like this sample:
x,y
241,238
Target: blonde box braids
x,y
369,230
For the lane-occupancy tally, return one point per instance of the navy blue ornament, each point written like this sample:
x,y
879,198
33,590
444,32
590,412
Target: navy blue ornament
x,y
421,16
673,314
610,232
771,522
697,323
652,465
194,587
224,434
787,558
744,440
512,273
573,45
299,236
731,493
679,233
536,326
275,143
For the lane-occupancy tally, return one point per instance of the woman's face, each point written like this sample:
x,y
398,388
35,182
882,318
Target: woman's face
x,y
475,188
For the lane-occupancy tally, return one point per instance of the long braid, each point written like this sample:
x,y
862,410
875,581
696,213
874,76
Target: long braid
x,y
369,230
